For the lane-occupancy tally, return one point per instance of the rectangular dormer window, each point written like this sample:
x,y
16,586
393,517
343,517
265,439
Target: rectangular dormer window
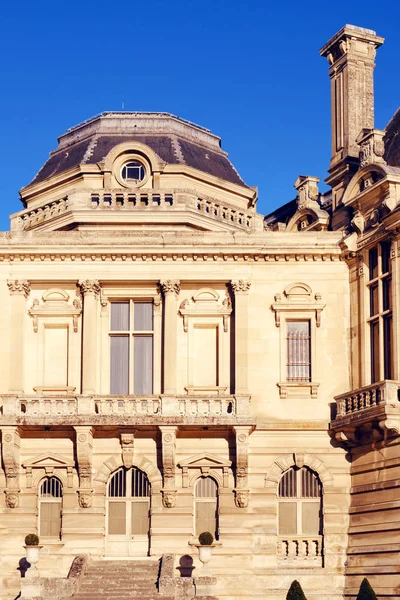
x,y
131,347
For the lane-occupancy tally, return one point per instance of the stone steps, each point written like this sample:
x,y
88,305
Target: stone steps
x,y
120,580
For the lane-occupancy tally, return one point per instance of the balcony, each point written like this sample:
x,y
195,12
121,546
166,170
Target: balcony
x,y
131,410
374,406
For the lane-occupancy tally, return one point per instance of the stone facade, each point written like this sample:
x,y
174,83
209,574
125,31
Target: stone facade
x,y
170,359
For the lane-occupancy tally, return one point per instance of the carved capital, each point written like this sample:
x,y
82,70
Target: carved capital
x,y
19,287
240,286
170,286
127,447
90,287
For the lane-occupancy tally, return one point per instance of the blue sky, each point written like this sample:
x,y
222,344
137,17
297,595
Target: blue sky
x,y
249,71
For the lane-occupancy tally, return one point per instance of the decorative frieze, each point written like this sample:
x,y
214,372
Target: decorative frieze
x,y
84,451
19,287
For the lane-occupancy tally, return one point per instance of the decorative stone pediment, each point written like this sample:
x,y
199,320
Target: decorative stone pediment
x,y
207,465
206,303
55,304
48,461
297,297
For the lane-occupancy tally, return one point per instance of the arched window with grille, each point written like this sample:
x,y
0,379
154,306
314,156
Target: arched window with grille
x,y
300,503
206,506
50,508
128,506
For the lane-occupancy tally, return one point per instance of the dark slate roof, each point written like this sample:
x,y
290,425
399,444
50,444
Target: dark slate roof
x,y
170,147
392,141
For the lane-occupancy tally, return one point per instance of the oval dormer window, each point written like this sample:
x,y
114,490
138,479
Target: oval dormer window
x,y
133,172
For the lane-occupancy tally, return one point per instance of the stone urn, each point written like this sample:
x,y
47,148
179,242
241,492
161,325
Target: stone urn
x,y
205,553
32,549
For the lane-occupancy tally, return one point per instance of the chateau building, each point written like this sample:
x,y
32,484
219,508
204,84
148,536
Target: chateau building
x,y
172,362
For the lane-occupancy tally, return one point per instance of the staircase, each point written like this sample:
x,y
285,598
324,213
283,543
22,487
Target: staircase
x,y
119,580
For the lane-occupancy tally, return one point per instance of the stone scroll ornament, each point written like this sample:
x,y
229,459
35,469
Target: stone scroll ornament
x,y
168,436
242,455
84,452
10,456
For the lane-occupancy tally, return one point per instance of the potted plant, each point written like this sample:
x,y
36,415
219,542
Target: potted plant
x,y
205,547
32,554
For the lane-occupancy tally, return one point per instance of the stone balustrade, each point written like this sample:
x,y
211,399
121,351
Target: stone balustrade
x,y
130,201
298,548
366,397
153,407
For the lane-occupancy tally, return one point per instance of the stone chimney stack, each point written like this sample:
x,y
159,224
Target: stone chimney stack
x,y
351,54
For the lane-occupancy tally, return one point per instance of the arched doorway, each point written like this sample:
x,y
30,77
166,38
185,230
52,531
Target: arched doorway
x,y
128,513
206,506
50,508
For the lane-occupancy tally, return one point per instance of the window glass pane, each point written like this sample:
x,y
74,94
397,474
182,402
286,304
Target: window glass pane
x,y
119,316
140,518
50,519
374,351
143,316
374,300
117,518
310,486
287,518
311,518
206,517
288,484
387,293
298,351
373,263
143,365
385,253
388,351
119,367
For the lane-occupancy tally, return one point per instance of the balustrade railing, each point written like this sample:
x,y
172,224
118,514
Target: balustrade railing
x,y
300,548
367,397
124,200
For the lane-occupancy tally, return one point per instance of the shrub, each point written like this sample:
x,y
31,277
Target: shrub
x,y
366,592
206,538
31,540
295,592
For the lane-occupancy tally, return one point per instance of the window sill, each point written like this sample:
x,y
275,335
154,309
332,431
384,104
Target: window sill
x,y
297,389
220,390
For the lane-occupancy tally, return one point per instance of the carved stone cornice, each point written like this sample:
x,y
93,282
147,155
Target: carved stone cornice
x,y
240,286
90,287
84,452
19,287
170,286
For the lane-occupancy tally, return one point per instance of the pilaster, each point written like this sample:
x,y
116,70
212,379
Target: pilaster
x,y
10,448
19,291
241,291
84,452
170,289
168,442
91,291
242,462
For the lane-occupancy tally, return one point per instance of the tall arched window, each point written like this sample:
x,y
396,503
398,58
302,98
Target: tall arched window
x,y
300,503
206,506
128,522
50,508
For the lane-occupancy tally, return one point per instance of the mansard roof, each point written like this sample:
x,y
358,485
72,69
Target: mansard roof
x,y
174,140
392,141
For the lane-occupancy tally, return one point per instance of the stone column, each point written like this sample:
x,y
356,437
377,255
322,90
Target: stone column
x,y
84,451
91,290
168,440
19,290
10,447
241,290
170,288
